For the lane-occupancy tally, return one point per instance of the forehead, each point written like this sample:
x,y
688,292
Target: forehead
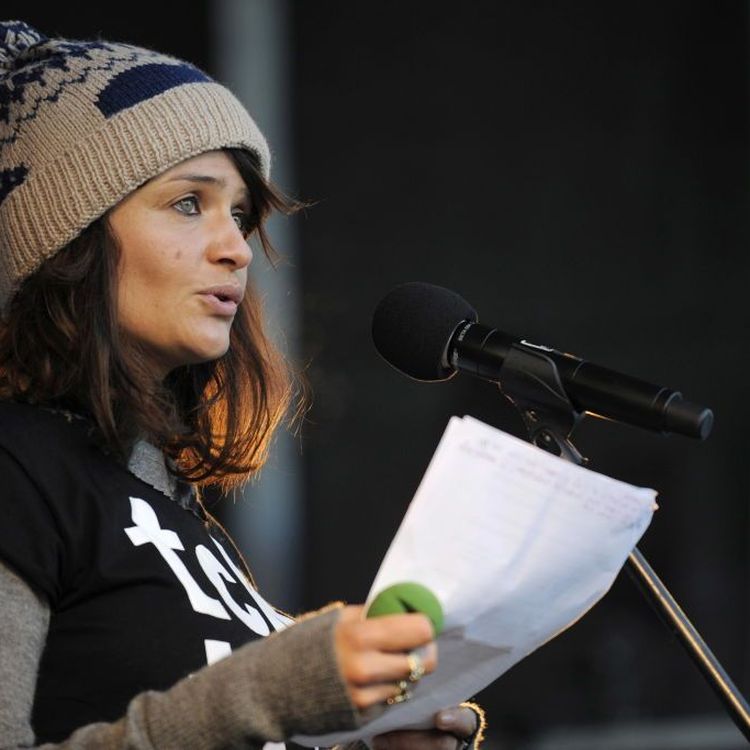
x,y
214,164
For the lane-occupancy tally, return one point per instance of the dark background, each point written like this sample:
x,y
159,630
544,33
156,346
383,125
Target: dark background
x,y
579,172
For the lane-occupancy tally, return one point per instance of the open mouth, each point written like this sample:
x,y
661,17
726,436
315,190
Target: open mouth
x,y
224,296
220,304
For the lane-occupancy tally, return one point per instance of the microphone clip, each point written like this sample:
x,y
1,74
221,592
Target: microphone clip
x,y
529,379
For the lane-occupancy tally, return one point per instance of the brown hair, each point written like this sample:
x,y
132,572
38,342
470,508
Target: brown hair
x,y
61,346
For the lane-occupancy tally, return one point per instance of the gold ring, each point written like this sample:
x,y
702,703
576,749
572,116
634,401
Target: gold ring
x,y
402,695
416,666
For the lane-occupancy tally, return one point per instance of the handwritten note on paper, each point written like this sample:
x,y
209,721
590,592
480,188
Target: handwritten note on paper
x,y
516,543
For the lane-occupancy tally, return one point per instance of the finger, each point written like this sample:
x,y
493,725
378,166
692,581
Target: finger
x,y
429,656
352,613
458,720
391,632
370,695
376,666
413,739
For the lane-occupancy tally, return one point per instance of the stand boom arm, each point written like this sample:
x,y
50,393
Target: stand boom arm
x,y
676,620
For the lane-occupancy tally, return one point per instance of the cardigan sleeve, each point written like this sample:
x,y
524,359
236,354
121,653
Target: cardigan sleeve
x,y
267,690
24,619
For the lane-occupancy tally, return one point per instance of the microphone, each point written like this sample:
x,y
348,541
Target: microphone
x,y
429,333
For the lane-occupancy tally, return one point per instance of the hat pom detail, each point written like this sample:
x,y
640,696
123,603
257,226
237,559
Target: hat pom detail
x,y
15,38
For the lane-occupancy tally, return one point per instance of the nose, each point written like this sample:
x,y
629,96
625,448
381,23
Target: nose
x,y
229,246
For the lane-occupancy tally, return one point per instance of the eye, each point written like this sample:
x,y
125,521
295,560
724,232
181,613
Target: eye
x,y
244,222
187,205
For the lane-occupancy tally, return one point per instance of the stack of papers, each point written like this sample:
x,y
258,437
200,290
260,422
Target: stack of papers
x,y
517,544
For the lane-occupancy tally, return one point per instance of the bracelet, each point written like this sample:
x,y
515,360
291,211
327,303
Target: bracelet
x,y
477,738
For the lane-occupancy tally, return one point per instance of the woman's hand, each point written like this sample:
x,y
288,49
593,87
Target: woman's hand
x,y
373,655
453,727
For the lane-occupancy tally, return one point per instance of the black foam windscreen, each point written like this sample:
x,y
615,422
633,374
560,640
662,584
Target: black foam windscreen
x,y
412,325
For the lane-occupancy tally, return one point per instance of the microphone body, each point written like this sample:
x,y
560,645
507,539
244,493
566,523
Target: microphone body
x,y
481,351
429,333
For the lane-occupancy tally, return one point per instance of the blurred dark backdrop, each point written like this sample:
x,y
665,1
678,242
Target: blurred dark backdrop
x,y
579,172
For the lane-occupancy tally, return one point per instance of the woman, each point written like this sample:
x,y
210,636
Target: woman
x,y
134,371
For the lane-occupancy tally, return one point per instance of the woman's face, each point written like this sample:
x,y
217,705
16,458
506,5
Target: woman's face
x,y
184,258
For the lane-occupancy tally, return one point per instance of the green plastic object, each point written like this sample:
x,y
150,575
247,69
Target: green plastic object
x,y
408,597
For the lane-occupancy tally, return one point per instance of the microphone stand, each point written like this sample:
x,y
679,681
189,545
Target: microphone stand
x,y
530,380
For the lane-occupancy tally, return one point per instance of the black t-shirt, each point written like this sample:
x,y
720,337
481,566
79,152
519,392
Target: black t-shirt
x,y
142,592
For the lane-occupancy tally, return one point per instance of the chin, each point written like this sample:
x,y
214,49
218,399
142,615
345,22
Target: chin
x,y
211,353
182,352
205,351
209,342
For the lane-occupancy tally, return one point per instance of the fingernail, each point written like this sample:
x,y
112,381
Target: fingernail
x,y
446,719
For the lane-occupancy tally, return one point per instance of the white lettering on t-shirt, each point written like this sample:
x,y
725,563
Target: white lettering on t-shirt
x,y
147,530
218,574
216,650
278,621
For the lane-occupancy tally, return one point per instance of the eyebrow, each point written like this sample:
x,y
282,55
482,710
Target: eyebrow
x,y
206,179
198,178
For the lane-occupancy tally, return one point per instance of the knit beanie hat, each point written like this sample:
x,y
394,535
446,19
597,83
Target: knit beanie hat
x,y
82,124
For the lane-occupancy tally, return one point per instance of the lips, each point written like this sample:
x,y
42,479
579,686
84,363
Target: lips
x,y
223,299
225,293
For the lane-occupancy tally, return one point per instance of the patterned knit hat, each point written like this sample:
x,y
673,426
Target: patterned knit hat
x,y
82,124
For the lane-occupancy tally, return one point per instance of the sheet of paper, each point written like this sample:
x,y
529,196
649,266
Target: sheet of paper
x,y
516,543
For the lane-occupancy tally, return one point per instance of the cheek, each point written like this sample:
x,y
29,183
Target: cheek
x,y
148,282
